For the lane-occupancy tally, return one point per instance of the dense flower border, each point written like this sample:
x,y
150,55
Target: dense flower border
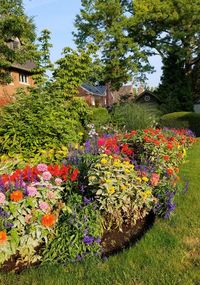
x,y
126,175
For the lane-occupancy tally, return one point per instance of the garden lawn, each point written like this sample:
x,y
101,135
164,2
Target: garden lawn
x,y
168,254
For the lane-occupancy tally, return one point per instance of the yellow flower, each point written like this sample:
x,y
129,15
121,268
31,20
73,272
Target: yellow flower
x,y
98,165
126,162
104,155
111,190
104,161
127,171
145,179
108,180
184,152
116,162
138,179
148,192
123,187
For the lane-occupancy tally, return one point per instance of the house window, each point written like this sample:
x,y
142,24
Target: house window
x,y
23,78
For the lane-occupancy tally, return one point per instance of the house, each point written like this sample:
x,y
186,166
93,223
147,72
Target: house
x,y
21,75
96,95
147,97
196,105
125,93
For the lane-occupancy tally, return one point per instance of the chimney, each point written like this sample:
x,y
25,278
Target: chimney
x,y
140,89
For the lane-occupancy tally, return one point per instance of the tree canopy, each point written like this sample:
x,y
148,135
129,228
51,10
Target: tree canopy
x,y
17,35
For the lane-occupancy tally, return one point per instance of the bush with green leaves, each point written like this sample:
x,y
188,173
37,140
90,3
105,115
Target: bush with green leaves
x,y
133,116
100,117
187,120
41,120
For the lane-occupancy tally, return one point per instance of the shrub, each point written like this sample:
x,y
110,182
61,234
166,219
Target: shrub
x,y
40,120
133,117
186,120
100,118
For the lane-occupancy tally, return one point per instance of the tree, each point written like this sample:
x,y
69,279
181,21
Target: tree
x,y
105,24
175,88
15,29
71,71
44,64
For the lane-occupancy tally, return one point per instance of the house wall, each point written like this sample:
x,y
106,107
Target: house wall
x,y
90,99
7,91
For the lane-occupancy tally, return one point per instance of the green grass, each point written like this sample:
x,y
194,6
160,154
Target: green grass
x,y
169,254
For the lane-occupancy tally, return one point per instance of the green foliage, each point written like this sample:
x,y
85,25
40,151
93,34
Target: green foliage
x,y
43,59
72,70
40,120
105,24
100,117
14,25
78,221
187,120
175,88
133,116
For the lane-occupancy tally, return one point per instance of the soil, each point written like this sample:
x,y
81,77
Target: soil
x,y
113,241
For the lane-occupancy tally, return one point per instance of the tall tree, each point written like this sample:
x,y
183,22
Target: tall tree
x,y
175,87
16,36
105,24
71,71
44,64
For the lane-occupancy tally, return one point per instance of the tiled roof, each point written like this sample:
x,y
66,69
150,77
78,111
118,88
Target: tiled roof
x,y
95,90
27,66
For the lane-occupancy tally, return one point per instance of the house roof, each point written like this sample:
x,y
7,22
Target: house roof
x,y
27,66
124,90
147,92
94,90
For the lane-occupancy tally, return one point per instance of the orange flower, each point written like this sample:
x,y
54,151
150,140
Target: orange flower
x,y
3,237
48,220
177,170
170,171
16,196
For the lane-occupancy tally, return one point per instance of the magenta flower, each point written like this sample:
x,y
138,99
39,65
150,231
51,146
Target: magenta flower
x,y
31,191
2,198
42,167
46,175
44,206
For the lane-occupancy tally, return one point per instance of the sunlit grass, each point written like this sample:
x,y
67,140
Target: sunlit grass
x,y
168,254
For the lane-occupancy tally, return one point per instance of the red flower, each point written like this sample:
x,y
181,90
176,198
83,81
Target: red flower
x,y
166,157
16,196
74,175
48,220
169,146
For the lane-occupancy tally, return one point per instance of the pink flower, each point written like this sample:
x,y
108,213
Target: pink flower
x,y
28,218
44,206
101,141
46,175
155,179
50,194
31,191
58,181
2,198
42,167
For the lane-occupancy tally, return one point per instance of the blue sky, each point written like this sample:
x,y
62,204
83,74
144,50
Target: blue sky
x,y
58,17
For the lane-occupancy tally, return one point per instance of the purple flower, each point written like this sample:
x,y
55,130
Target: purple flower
x,y
98,240
88,240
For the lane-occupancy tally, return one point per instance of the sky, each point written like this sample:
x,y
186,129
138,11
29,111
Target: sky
x,y
58,17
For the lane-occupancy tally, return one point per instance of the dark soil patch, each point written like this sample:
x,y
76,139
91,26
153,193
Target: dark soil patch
x,y
114,240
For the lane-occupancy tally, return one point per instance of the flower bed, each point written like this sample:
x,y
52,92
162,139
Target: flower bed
x,y
59,213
